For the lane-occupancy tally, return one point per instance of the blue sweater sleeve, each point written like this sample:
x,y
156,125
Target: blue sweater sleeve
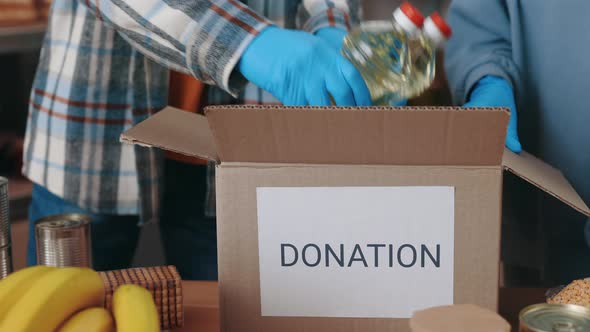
x,y
481,45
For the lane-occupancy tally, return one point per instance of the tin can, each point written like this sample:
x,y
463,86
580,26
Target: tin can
x,y
5,261
4,213
545,317
64,240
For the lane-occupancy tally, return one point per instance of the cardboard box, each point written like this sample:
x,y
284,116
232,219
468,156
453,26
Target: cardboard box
x,y
351,219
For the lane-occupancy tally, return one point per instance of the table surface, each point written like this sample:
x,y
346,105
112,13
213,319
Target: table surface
x,y
201,305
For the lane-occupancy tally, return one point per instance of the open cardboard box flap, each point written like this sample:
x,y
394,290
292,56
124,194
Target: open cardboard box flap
x,y
266,134
389,136
174,130
544,177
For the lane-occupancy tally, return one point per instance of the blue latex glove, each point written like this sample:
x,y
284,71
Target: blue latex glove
x,y
493,91
333,36
299,69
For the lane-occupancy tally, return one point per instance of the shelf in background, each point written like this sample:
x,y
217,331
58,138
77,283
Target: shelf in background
x,y
23,38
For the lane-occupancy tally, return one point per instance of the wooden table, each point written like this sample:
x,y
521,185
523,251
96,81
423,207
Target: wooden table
x,y
201,307
201,301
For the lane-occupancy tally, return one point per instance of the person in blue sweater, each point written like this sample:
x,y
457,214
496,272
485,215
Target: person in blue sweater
x,y
532,56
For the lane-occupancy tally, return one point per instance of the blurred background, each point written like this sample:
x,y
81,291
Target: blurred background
x,y
22,26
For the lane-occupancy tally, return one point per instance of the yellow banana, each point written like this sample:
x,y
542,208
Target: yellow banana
x,y
134,310
53,298
16,284
90,320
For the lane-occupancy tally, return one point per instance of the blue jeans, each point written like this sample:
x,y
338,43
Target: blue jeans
x,y
188,236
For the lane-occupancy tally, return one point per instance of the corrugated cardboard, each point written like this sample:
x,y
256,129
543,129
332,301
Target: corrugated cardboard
x,y
175,130
292,147
544,177
477,214
450,136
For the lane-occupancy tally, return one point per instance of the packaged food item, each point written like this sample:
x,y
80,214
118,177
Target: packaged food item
x,y
420,66
163,282
397,58
577,292
379,50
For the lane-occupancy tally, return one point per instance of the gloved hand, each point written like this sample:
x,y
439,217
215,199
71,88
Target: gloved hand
x,y
333,36
493,91
299,69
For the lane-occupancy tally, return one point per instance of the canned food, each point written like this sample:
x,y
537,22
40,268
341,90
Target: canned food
x,y
64,240
4,217
5,261
554,318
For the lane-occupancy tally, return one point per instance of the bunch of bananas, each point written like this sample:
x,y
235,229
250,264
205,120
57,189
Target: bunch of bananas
x,y
47,299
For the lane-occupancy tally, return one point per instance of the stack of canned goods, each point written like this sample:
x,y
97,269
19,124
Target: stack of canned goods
x,y
64,240
5,243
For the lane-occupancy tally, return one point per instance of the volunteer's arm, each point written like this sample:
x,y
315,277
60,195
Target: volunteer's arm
x,y
306,67
314,15
198,37
225,43
329,20
481,46
478,59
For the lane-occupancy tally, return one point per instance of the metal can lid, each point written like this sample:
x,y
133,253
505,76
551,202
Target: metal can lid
x,y
545,317
63,221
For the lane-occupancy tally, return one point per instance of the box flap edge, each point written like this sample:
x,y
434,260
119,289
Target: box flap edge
x,y
544,177
174,130
362,135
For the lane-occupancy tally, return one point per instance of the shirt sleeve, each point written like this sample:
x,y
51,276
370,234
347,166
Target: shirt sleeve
x,y
481,45
202,38
316,14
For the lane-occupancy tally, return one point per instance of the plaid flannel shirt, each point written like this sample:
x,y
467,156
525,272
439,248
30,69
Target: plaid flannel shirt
x,y
104,68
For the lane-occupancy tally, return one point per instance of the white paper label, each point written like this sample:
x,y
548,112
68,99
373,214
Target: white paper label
x,y
374,252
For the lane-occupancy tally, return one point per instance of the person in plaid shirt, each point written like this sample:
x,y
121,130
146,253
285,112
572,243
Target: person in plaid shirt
x,y
104,68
